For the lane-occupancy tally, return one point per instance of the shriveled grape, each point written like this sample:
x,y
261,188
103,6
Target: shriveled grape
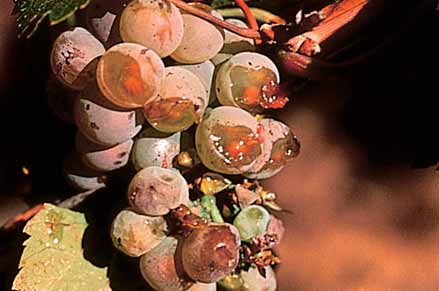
x,y
135,234
211,253
155,191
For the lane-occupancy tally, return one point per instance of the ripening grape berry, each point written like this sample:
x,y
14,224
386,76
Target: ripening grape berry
x,y
135,234
155,191
204,71
234,43
253,280
73,55
203,287
130,75
161,267
252,221
211,253
201,39
103,158
181,102
103,19
152,148
280,146
228,141
155,24
80,176
249,80
103,122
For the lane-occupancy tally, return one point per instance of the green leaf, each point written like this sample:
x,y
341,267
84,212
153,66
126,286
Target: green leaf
x,y
32,12
53,258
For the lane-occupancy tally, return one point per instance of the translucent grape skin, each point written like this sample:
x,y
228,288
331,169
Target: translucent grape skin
x,y
239,81
252,221
135,234
155,191
227,140
163,21
280,146
103,122
201,40
181,102
72,57
211,253
103,158
151,149
161,267
129,75
80,176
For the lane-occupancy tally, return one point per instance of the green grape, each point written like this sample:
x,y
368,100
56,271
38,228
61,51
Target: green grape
x,y
250,280
102,122
181,102
161,267
210,253
103,158
228,141
72,57
201,39
130,75
234,43
155,191
155,24
135,234
203,287
205,72
151,149
80,176
252,221
280,146
241,81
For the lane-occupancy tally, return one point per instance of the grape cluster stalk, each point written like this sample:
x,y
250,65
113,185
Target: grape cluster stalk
x,y
186,106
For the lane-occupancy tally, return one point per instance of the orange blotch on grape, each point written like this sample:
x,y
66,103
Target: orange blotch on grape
x,y
132,81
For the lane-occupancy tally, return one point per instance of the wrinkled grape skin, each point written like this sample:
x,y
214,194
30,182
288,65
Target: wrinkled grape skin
x,y
136,234
103,122
130,75
163,21
80,176
252,221
160,267
211,253
155,191
186,86
201,41
249,60
103,158
149,151
209,155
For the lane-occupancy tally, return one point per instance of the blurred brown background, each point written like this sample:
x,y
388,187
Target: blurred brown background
x,y
364,193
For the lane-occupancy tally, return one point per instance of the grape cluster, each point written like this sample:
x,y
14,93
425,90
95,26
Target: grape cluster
x,y
178,99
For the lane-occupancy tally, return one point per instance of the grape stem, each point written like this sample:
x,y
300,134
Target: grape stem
x,y
208,202
261,15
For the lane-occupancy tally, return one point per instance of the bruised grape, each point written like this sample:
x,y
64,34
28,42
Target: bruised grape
x,y
161,267
72,57
181,102
211,253
103,158
252,221
135,234
228,140
280,146
155,191
130,75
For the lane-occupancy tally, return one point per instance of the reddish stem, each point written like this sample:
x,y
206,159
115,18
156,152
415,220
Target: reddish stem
x,y
251,20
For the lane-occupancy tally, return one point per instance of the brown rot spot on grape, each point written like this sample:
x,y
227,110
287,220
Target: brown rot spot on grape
x,y
94,126
87,107
118,162
121,155
144,51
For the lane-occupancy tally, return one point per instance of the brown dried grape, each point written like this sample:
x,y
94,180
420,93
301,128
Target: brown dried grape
x,y
210,253
155,191
130,75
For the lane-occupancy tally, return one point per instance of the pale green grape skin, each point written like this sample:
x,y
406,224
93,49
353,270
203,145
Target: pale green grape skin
x,y
135,234
80,176
181,102
205,72
203,287
72,57
253,280
201,41
155,191
209,153
103,158
252,221
163,21
149,151
103,122
160,267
